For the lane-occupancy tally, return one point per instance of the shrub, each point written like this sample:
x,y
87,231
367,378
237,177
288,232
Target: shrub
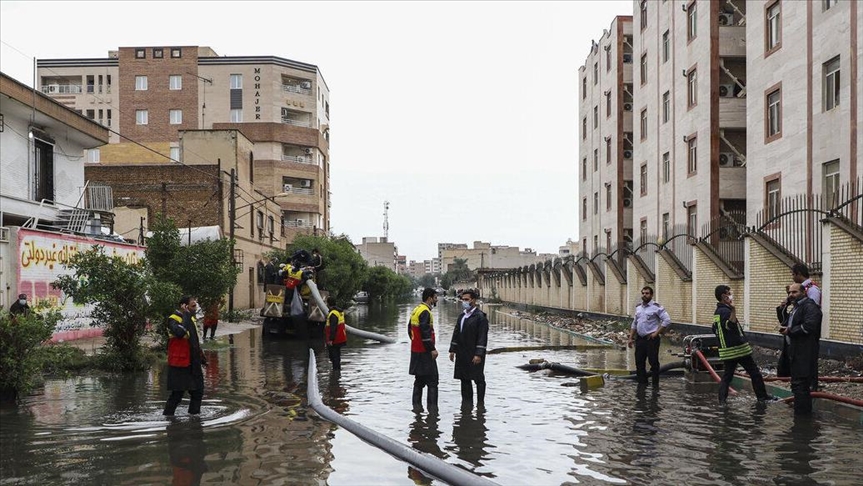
x,y
19,336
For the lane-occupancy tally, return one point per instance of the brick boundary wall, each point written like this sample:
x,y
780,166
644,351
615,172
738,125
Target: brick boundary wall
x,y
706,275
843,286
614,293
766,278
672,293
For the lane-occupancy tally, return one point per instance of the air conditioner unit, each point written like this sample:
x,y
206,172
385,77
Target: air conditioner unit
x,y
627,58
627,107
726,19
306,85
4,235
308,151
287,187
306,183
627,202
301,159
53,88
726,159
301,222
627,154
726,90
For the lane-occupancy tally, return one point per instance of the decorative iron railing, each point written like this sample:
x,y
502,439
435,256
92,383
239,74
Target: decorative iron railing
x,y
724,234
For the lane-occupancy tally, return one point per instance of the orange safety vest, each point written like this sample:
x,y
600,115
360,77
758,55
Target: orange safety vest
x,y
341,334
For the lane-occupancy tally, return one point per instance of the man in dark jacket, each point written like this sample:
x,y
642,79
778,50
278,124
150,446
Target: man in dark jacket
x,y
20,306
423,352
185,358
734,348
804,334
468,348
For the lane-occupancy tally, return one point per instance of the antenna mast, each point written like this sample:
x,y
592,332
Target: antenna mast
x,y
386,219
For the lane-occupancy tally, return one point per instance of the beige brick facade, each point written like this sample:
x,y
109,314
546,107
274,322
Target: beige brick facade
x,y
614,293
845,286
768,276
705,277
673,293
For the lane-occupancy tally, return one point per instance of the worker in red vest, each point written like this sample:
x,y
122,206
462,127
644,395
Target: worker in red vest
x,y
185,358
335,335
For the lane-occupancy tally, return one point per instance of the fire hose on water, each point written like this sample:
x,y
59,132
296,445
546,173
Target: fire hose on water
x,y
709,368
427,463
313,287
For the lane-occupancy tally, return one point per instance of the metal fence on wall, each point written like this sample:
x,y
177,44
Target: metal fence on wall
x,y
725,235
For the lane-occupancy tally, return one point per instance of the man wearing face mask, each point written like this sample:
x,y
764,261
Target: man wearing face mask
x,y
20,307
423,353
804,333
185,358
468,347
734,347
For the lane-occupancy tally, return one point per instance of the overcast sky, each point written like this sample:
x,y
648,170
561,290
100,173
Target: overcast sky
x,y
462,115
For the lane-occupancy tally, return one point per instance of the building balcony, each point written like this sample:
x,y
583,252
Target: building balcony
x,y
732,182
732,41
296,122
732,112
298,88
51,89
300,159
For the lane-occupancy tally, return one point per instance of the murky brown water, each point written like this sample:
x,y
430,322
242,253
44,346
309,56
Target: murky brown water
x,y
536,430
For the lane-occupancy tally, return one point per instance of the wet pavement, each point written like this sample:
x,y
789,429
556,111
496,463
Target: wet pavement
x,y
536,429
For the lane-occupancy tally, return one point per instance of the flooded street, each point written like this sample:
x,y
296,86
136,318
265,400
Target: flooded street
x,y
537,428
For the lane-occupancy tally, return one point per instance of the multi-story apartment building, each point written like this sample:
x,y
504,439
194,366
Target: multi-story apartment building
x,y
147,95
606,139
486,255
803,101
379,252
689,91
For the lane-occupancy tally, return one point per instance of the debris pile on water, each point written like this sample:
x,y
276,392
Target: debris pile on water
x,y
614,330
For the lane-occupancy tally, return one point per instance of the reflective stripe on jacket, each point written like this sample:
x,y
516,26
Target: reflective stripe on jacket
x,y
341,335
732,341
418,344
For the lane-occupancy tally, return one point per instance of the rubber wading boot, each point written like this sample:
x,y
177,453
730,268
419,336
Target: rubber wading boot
x,y
431,401
418,398
480,393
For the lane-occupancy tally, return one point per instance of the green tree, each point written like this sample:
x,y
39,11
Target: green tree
x,y
384,284
458,272
125,297
344,269
205,269
20,336
426,281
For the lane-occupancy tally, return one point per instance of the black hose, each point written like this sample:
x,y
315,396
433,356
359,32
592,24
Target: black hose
x,y
663,370
545,365
427,463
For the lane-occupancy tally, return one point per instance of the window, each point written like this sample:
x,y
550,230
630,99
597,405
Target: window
x,y
584,128
141,117
236,116
608,239
175,153
692,154
595,73
158,53
91,114
94,156
831,84
642,230
691,22
666,167
583,208
666,106
176,117
692,220
774,114
595,203
643,179
583,88
595,160
643,68
665,226
595,117
271,225
773,29
236,81
175,82
608,150
692,88
826,4
772,194
607,58
584,169
595,243
830,189
608,197
176,52
666,47
643,14
644,124
608,104
140,54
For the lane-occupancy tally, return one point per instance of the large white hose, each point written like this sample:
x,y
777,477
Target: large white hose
x,y
356,332
427,463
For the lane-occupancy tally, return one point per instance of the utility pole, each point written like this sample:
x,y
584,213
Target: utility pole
x,y
232,216
164,200
141,232
190,232
386,220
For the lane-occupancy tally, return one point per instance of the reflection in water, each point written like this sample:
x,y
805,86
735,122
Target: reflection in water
x,y
423,436
645,427
186,451
798,452
470,435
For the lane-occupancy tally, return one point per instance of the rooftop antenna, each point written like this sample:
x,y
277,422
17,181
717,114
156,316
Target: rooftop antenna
x,y
386,219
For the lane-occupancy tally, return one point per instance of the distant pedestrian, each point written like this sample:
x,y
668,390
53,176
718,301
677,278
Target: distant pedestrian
x,y
271,272
734,347
317,264
423,352
468,349
804,333
335,335
651,321
20,307
800,274
211,319
185,358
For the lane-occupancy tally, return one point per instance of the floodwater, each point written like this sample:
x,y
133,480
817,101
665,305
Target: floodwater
x,y
536,429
